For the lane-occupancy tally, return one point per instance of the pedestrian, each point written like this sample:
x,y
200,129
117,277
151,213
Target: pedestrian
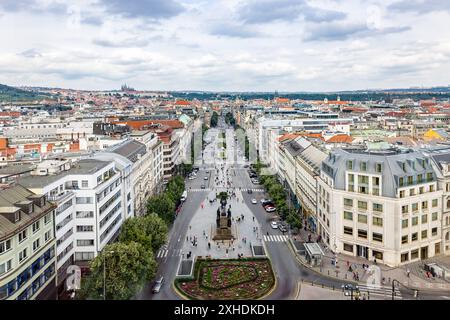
x,y
407,272
253,218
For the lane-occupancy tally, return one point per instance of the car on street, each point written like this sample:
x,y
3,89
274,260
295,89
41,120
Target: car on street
x,y
254,181
282,228
158,284
203,186
270,209
249,191
274,225
246,166
191,178
205,178
254,201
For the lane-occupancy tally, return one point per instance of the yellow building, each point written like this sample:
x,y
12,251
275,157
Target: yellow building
x,y
436,134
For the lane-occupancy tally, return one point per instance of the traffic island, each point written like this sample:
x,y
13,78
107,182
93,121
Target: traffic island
x,y
235,279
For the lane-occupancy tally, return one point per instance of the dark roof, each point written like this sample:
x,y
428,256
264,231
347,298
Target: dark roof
x,y
130,150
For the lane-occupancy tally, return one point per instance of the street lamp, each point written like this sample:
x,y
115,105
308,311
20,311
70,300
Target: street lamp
x,y
104,273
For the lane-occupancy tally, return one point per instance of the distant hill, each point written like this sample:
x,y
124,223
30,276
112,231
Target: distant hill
x,y
11,94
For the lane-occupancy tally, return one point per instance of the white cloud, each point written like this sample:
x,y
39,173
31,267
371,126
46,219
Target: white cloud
x,y
225,44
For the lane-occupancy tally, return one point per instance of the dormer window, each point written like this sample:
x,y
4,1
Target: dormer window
x,y
350,165
378,167
17,216
363,166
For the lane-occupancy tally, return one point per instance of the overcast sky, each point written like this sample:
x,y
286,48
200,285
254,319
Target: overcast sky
x,y
221,45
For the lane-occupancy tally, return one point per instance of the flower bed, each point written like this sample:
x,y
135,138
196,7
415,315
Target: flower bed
x,y
228,279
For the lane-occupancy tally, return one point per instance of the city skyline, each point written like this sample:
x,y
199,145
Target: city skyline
x,y
289,46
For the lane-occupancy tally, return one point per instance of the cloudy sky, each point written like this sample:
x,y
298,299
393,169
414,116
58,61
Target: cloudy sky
x,y
220,45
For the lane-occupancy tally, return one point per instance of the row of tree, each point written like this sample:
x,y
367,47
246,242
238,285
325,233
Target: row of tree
x,y
229,119
122,269
278,195
214,119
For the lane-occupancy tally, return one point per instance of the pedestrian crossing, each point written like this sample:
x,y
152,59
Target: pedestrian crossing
x,y
199,190
164,252
275,238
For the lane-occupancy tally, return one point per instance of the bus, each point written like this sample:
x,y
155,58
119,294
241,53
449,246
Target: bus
x,y
184,196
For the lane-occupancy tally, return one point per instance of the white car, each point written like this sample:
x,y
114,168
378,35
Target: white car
x,y
271,209
191,178
274,225
254,201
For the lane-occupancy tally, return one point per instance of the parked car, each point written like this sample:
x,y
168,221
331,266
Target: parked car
x,y
255,181
249,191
191,178
203,186
254,201
282,228
158,285
270,209
274,225
205,178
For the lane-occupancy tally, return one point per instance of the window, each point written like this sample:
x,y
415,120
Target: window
x,y
351,178
362,233
404,239
350,165
412,192
85,184
400,181
431,188
364,190
4,268
429,176
434,232
84,256
362,218
47,218
414,221
84,200
376,221
377,237
434,216
405,223
415,207
36,226
48,235
85,243
85,228
363,166
424,234
36,244
405,209
414,236
362,205
348,230
348,215
5,246
375,191
377,207
424,218
23,255
378,167
363,179
84,214
377,255
419,178
414,254
348,247
410,180
22,235
376,181
404,257
421,190
402,194
348,202
434,203
424,205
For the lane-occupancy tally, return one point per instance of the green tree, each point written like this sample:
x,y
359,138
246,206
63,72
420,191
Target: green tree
x,y
163,205
175,188
127,266
150,231
214,119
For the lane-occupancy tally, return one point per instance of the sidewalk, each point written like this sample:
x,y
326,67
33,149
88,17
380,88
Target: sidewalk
x,y
416,280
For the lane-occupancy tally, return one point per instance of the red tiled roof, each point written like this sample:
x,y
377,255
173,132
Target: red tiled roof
x,y
340,138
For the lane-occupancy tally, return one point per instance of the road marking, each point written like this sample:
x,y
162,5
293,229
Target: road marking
x,y
165,254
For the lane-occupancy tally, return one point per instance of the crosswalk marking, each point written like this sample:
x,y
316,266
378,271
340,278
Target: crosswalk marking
x,y
164,253
275,238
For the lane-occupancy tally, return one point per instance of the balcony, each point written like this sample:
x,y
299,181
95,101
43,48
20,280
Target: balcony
x,y
61,197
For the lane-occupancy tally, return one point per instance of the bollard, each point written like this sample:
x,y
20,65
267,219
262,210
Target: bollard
x,y
328,272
